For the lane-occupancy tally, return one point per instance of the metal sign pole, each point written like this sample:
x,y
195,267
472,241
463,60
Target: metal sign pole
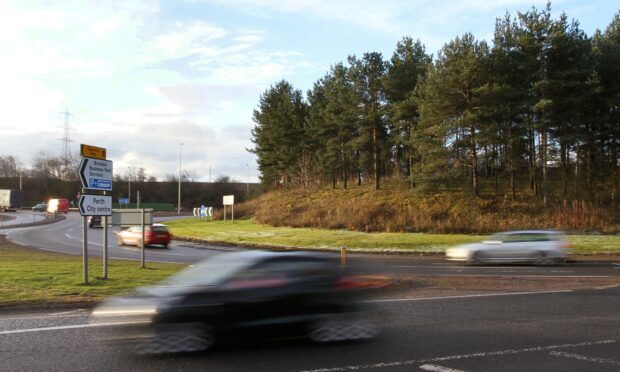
x,y
85,246
232,208
104,221
142,263
224,212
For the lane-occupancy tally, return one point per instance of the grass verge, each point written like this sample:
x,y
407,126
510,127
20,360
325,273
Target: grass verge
x,y
31,277
248,232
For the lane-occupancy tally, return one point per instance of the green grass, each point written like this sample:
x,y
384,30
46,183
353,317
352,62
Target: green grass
x,y
32,277
251,233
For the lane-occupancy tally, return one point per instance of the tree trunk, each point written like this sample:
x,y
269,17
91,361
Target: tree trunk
x,y
543,159
474,162
614,162
563,166
532,160
377,159
399,155
345,171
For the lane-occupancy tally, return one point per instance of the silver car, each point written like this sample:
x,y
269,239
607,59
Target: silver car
x,y
528,246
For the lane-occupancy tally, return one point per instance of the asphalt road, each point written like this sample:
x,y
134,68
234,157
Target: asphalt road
x,y
557,331
21,217
66,237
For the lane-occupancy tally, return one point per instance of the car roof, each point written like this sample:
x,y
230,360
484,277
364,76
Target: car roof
x,y
531,232
258,255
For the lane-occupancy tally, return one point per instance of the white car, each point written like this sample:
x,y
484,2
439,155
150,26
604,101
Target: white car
x,y
539,247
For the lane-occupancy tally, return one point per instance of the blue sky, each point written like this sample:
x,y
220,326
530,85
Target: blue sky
x,y
143,76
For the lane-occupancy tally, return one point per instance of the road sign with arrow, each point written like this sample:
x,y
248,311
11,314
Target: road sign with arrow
x,y
95,205
96,174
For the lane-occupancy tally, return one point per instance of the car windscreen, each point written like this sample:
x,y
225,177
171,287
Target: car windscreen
x,y
210,272
162,229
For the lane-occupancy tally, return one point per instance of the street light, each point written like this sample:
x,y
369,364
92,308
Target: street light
x,y
179,201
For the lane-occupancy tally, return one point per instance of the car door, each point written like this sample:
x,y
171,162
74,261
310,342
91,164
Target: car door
x,y
508,249
254,295
523,246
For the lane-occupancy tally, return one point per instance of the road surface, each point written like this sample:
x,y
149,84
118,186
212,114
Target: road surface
x,y
66,237
549,331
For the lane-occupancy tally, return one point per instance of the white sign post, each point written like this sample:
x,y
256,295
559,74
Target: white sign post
x,y
229,200
95,173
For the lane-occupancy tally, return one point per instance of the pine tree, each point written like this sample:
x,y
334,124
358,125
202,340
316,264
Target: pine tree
x,y
279,134
407,66
367,76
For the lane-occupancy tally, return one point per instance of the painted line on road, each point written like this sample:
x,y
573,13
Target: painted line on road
x,y
468,296
167,254
146,261
531,276
585,358
47,316
75,326
468,267
57,251
80,240
436,368
462,356
608,286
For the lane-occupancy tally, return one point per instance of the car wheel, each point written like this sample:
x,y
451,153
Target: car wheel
x,y
541,259
345,327
479,258
179,338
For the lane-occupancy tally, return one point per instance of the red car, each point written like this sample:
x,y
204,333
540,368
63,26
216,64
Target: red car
x,y
155,234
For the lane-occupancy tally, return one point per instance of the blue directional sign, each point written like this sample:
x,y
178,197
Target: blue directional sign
x,y
96,174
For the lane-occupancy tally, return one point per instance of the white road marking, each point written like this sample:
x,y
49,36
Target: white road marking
x,y
57,251
80,240
531,276
462,356
608,286
147,261
432,367
467,267
585,358
47,316
469,296
75,326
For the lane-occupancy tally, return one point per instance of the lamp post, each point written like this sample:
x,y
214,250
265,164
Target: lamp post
x,y
179,200
247,185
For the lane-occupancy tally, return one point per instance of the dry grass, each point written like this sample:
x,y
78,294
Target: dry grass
x,y
399,209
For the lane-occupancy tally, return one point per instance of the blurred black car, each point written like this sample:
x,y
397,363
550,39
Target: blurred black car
x,y
94,221
241,295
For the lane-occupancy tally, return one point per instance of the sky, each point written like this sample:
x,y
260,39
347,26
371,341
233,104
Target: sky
x,y
169,82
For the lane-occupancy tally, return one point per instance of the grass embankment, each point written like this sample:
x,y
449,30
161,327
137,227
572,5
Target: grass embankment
x,y
249,232
398,208
30,277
